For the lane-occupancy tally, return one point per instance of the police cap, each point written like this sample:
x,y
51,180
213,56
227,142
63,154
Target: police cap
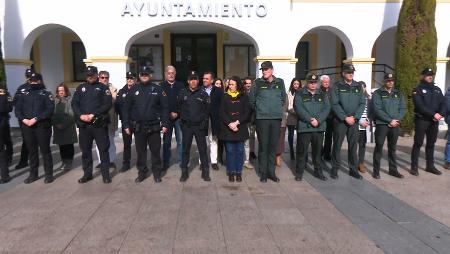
x,y
28,72
91,70
389,76
312,77
348,68
266,65
428,72
35,77
145,70
129,74
192,75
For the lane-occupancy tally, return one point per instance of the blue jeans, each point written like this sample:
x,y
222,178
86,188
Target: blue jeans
x,y
447,148
167,142
235,156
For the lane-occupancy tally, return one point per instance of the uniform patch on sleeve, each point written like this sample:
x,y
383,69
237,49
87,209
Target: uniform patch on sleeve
x,y
2,91
10,98
50,97
108,92
164,93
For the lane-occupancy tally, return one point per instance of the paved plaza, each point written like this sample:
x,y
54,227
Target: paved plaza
x,y
411,215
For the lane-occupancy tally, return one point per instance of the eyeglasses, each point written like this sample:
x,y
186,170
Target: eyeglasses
x,y
104,77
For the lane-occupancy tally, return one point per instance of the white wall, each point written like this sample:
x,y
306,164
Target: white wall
x,y
52,67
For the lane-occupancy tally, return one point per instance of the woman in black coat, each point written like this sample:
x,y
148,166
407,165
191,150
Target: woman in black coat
x,y
234,112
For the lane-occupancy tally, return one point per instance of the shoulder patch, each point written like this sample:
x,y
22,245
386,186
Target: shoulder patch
x,y
50,97
2,91
10,98
108,92
164,93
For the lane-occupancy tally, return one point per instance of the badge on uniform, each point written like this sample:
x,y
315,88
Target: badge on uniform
x,y
83,89
424,91
185,98
320,99
124,95
23,90
2,91
50,97
164,93
108,92
136,93
10,98
356,90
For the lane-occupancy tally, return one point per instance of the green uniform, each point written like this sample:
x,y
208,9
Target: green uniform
x,y
346,100
307,106
386,107
267,99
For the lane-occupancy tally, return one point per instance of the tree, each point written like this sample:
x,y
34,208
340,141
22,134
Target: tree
x,y
416,49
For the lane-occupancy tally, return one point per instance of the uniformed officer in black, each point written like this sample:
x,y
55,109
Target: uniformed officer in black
x,y
91,103
389,108
23,161
119,103
348,103
6,106
146,113
429,109
193,106
34,109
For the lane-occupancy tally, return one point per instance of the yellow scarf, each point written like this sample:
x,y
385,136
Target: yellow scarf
x,y
233,94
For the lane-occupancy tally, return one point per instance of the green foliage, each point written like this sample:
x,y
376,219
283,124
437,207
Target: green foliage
x,y
416,49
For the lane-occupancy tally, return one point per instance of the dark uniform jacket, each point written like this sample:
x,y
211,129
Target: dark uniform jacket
x,y
428,100
93,99
215,99
120,100
232,109
447,106
172,92
268,98
307,106
193,107
6,106
388,106
20,91
147,105
35,102
347,100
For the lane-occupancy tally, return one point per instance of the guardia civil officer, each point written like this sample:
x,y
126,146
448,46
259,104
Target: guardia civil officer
x,y
347,102
23,161
389,108
34,109
6,106
312,107
193,106
146,113
91,103
429,109
118,105
267,97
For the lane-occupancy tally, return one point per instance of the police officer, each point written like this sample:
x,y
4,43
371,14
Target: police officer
x,y
267,97
91,103
23,161
6,106
34,109
193,106
313,107
429,109
389,108
146,112
347,102
119,104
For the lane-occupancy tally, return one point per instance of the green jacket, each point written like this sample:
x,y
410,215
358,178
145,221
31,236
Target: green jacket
x,y
268,98
307,106
347,100
388,106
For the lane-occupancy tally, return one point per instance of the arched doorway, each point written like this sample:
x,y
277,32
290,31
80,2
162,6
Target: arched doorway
x,y
384,53
192,45
322,50
58,53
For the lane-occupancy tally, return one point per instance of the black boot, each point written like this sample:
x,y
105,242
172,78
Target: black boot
x,y
5,178
239,177
231,177
395,173
319,174
31,179
85,178
353,173
184,175
414,171
334,174
205,175
376,174
106,176
67,165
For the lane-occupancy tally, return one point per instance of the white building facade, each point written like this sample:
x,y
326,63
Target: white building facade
x,y
228,37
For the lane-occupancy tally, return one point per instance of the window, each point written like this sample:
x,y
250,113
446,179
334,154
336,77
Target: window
x,y
79,67
302,54
147,55
238,60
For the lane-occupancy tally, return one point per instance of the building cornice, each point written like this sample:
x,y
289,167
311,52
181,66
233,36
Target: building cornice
x,y
16,61
289,59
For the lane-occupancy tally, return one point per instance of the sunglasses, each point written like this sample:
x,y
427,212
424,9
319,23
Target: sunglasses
x,y
104,77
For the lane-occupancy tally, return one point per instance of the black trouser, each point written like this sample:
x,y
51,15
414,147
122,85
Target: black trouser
x,y
37,137
430,129
87,135
67,152
24,155
268,132
340,130
303,141
4,171
7,141
153,140
127,140
362,140
189,131
381,132
326,152
291,131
